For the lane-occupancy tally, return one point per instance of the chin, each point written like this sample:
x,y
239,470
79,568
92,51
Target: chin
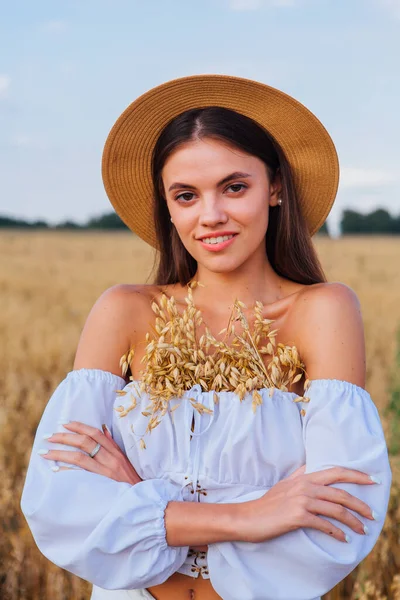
x,y
222,265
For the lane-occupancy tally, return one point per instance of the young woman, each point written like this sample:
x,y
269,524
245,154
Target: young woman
x,y
244,458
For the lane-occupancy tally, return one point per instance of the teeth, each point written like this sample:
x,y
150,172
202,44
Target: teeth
x,y
217,240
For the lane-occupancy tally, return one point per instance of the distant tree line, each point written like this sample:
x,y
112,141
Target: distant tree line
x,y
377,222
107,221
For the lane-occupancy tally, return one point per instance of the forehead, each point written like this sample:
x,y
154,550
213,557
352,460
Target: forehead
x,y
210,157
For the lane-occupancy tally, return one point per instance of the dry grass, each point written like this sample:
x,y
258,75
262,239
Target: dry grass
x,y
48,283
178,355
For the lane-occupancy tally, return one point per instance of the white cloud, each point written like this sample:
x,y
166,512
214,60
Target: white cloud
x,y
351,177
54,26
22,140
5,82
257,4
392,6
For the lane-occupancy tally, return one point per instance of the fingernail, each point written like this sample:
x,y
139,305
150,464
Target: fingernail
x,y
41,451
104,428
366,530
375,516
47,436
55,468
375,479
347,538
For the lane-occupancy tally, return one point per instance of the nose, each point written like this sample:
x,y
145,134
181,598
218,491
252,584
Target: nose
x,y
212,212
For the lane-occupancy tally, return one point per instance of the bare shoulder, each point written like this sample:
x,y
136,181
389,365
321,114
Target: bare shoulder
x,y
111,326
330,332
329,297
128,296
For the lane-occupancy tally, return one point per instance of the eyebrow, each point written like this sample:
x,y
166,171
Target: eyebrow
x,y
235,175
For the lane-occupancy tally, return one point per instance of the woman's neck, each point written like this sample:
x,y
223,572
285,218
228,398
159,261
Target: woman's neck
x,y
247,285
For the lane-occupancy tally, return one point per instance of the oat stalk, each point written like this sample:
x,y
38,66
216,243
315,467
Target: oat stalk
x,y
177,357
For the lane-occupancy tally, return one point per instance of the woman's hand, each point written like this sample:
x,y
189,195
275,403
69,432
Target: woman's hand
x,y
298,501
109,460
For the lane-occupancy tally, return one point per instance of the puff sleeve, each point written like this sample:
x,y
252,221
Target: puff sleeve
x,y
107,532
341,427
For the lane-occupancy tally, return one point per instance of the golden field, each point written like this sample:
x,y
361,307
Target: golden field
x,y
48,283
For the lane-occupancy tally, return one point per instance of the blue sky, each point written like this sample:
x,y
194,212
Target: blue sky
x,y
69,68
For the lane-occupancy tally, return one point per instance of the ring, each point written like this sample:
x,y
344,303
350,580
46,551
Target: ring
x,y
95,450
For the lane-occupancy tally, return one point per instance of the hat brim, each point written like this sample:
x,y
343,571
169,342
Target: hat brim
x,y
126,164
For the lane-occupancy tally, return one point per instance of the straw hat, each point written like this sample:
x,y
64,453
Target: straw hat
x,y
126,165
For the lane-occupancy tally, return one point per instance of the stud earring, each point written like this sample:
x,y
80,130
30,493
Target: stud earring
x,y
171,221
280,201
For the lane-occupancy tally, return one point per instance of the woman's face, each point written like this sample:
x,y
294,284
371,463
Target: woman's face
x,y
215,190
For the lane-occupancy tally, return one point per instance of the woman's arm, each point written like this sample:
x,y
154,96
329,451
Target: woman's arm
x,y
104,338
285,507
330,333
341,429
111,533
107,333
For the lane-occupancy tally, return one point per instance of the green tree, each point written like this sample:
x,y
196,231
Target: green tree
x,y
378,222
107,221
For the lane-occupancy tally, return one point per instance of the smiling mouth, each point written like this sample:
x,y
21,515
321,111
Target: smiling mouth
x,y
217,240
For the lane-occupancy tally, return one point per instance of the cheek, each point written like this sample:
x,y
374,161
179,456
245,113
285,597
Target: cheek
x,y
253,214
184,220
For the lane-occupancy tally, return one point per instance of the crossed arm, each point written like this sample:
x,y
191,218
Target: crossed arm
x,y
331,343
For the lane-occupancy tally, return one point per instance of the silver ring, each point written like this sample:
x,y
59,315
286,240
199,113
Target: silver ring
x,y
95,450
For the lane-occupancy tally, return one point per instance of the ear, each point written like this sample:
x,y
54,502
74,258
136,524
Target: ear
x,y
275,189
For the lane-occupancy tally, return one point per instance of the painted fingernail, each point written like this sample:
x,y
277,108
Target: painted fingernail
x,y
366,530
375,516
55,468
347,538
42,451
375,479
47,436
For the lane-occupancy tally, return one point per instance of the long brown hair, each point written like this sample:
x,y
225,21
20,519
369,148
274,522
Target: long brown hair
x,y
289,248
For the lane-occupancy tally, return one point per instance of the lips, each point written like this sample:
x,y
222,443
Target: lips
x,y
214,243
217,239
223,232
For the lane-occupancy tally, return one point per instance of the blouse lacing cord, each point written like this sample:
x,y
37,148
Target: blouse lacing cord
x,y
207,400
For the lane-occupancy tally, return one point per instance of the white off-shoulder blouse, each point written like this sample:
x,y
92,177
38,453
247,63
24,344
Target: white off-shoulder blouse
x,y
113,534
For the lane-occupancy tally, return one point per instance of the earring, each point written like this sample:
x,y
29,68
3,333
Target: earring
x,y
280,201
171,221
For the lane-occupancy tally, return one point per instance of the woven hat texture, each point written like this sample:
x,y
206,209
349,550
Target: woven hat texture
x,y
126,164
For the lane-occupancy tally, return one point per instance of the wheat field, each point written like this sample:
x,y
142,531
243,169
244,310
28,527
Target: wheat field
x,y
48,283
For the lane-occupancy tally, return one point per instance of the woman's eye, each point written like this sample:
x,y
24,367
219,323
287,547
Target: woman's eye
x,y
237,187
186,196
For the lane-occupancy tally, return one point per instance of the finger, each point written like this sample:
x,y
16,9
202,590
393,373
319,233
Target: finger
x,y
109,436
106,431
338,512
79,459
76,440
325,526
111,445
96,435
345,499
340,475
57,468
297,472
